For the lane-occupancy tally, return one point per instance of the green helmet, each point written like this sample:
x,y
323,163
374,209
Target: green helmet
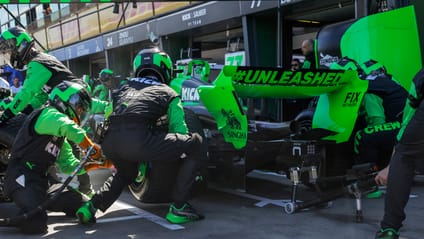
x,y
18,43
373,67
105,74
153,62
71,99
108,78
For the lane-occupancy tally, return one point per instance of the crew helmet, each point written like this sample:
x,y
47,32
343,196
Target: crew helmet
x,y
71,99
153,62
373,67
18,43
105,75
109,79
346,63
4,89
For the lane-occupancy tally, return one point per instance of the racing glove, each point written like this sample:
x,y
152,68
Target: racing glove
x,y
106,164
96,152
7,114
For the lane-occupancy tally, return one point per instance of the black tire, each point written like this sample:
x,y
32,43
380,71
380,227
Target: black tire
x,y
7,136
158,182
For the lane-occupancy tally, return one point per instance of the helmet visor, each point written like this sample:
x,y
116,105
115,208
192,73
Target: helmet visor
x,y
80,107
6,46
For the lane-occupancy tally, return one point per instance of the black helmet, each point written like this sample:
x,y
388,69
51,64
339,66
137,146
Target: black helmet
x,y
4,89
346,63
18,43
153,62
373,67
71,99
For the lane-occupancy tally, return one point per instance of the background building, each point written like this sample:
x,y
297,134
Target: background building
x,y
90,36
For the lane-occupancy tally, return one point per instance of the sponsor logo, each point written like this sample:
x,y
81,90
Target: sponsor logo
x,y
382,127
234,124
287,78
52,149
232,120
189,94
326,60
146,81
352,98
47,89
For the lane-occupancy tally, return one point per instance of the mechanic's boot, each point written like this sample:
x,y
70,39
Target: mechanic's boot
x,y
87,213
388,233
182,215
374,195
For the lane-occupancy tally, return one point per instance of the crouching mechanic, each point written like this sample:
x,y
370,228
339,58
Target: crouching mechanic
x,y
44,72
131,137
42,141
382,108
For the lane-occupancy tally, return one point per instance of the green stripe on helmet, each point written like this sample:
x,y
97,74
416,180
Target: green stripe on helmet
x,y
106,71
8,35
344,64
65,95
136,62
371,66
162,58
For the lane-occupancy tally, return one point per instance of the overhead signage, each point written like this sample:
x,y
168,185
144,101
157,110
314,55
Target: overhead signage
x,y
248,7
235,58
80,49
200,15
59,54
84,48
126,36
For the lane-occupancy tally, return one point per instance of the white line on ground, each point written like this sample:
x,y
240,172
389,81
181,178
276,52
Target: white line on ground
x,y
146,215
263,201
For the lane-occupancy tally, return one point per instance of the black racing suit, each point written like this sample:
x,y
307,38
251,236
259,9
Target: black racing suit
x,y
40,143
43,74
383,106
409,153
131,138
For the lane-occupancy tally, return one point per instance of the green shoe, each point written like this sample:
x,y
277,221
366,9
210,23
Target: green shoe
x,y
388,233
374,195
182,215
87,213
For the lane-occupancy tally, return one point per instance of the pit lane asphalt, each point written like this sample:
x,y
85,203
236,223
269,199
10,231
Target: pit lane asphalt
x,y
230,216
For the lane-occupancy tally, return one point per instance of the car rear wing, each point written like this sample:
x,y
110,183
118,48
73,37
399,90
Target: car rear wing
x,y
340,95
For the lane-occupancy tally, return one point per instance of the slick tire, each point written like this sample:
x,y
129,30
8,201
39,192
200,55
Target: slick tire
x,y
157,184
